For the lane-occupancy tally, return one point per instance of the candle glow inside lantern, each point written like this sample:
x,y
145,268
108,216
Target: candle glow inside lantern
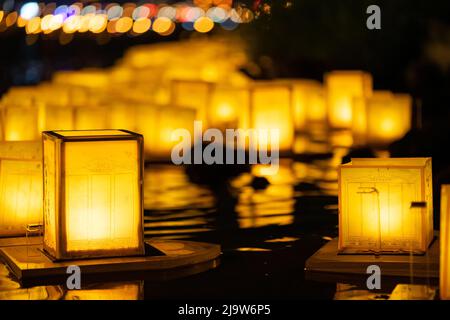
x,y
93,194
375,205
445,243
20,123
342,87
271,108
20,186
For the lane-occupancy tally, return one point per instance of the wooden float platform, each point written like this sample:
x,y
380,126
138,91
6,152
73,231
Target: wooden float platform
x,y
328,262
165,259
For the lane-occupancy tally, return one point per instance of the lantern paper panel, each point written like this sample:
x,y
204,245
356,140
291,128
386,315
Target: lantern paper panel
x,y
122,115
20,187
20,123
445,243
342,87
91,117
229,107
55,117
271,109
375,205
192,94
92,194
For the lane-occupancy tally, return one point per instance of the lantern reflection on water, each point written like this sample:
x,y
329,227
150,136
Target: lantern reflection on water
x,y
93,193
445,243
342,87
271,109
375,199
20,186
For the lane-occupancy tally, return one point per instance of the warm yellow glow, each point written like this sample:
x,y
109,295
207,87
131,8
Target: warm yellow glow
x,y
229,107
107,291
360,121
162,25
100,204
11,19
91,117
72,24
157,123
271,109
388,119
33,25
124,24
46,22
55,117
203,25
375,197
20,186
84,23
21,22
141,25
89,78
2,13
192,94
445,243
20,123
97,24
342,88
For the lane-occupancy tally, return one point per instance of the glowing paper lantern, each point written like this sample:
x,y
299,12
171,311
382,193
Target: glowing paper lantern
x,y
445,243
192,94
342,87
55,117
122,115
20,187
388,118
91,117
375,205
93,193
271,108
20,123
229,107
158,123
308,103
362,116
91,78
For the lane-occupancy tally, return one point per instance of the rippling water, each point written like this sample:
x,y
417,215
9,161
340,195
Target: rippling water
x,y
266,231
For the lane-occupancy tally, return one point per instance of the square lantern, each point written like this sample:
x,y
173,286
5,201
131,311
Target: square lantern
x,y
445,243
361,118
93,194
55,117
229,107
308,103
379,207
158,123
271,108
342,87
91,117
20,122
388,121
20,187
193,94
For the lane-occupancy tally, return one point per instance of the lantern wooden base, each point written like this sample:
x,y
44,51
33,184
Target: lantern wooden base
x,y
328,260
166,259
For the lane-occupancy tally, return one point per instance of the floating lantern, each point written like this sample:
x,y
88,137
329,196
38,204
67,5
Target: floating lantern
x,y
122,115
271,108
20,123
445,243
158,123
20,187
55,117
342,87
91,78
362,116
93,194
192,94
378,209
229,107
308,103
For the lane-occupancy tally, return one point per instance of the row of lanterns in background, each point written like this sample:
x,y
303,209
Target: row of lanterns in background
x,y
130,17
159,88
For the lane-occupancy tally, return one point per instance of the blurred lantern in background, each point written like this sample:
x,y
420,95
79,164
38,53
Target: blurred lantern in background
x,y
20,122
91,117
91,78
271,109
381,119
157,123
376,205
20,187
192,94
229,107
93,194
342,88
445,243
